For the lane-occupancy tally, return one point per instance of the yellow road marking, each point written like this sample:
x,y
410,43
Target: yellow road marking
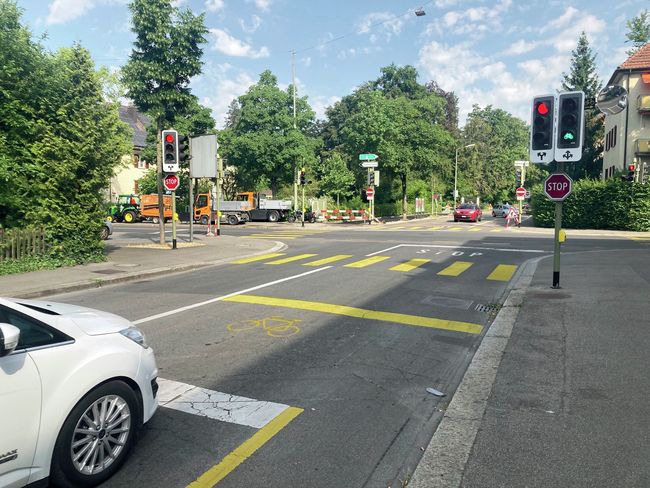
x,y
641,238
436,227
291,259
410,265
367,262
218,472
261,257
455,228
455,269
502,272
474,229
361,313
324,261
496,230
415,228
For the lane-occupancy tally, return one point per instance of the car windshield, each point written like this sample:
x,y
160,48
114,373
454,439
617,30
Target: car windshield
x,y
467,206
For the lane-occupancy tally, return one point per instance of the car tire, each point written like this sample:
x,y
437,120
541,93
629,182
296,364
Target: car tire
x,y
233,219
68,472
274,216
291,218
129,217
105,233
204,219
155,220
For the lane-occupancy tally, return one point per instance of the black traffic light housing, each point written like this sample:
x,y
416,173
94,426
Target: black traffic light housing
x,y
518,176
371,178
170,150
570,120
542,123
631,170
302,176
184,148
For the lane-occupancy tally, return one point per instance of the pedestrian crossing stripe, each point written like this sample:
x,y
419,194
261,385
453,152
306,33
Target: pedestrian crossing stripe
x,y
474,229
261,257
410,265
456,268
640,238
332,259
455,228
437,227
502,272
367,262
291,259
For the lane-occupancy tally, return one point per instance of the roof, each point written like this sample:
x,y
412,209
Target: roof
x,y
639,60
138,122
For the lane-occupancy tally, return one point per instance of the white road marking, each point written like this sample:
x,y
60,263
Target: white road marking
x,y
223,297
458,247
216,405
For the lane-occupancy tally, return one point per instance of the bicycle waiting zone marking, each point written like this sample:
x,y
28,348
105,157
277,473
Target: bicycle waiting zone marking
x,y
274,326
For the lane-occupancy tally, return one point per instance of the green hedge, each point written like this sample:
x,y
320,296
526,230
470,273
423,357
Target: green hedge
x,y
595,204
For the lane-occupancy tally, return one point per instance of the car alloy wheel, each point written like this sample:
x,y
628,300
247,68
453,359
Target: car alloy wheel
x,y
100,434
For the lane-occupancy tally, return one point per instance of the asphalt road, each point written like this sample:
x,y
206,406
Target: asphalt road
x,y
347,327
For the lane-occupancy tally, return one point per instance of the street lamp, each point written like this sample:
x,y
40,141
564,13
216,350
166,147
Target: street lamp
x,y
456,173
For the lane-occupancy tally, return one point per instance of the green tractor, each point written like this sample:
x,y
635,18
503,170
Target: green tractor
x,y
126,209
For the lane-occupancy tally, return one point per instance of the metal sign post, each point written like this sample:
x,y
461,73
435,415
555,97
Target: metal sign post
x,y
557,187
219,183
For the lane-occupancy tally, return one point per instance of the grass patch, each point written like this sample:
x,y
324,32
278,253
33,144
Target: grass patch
x,y
37,263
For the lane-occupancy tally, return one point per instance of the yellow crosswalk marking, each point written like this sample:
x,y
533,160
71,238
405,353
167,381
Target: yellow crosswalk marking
x,y
415,228
410,265
502,272
367,262
496,230
474,229
332,259
455,228
261,257
291,259
436,227
455,269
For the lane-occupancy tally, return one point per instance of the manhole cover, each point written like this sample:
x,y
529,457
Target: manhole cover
x,y
448,302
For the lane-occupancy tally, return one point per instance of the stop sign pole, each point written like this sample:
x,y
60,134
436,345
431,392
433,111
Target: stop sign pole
x,y
557,187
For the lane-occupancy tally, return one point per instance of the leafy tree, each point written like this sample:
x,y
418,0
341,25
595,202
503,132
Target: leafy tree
x,y
398,81
166,55
583,76
261,141
334,177
60,139
638,31
451,108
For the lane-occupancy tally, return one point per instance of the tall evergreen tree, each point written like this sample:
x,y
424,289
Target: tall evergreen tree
x,y
583,76
638,31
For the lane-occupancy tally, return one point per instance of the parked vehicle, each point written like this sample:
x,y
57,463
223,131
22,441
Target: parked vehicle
x,y
107,230
501,210
135,208
77,384
247,206
469,212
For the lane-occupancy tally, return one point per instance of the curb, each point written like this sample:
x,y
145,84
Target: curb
x,y
108,281
443,462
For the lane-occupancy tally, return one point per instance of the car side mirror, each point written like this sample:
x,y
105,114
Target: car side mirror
x,y
9,335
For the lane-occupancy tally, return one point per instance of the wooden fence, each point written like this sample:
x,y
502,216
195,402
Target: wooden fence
x,y
19,243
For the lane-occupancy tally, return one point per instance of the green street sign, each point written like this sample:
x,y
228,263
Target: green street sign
x,y
368,157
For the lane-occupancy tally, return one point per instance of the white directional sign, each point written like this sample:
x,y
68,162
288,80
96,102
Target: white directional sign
x,y
369,164
521,164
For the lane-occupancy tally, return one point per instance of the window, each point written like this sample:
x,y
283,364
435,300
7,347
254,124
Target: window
x,y
610,138
139,163
202,201
32,332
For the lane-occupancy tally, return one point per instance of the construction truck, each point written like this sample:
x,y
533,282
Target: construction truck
x,y
135,208
247,206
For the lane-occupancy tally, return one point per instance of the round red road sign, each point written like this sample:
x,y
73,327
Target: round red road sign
x,y
521,192
558,186
171,182
370,192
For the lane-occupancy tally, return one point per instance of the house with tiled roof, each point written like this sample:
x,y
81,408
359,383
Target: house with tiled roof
x,y
133,167
627,134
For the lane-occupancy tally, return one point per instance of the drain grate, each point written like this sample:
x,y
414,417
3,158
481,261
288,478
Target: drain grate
x,y
487,308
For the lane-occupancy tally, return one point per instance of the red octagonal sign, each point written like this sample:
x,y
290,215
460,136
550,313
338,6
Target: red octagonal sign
x,y
558,186
171,182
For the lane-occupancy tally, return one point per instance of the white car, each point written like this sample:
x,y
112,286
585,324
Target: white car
x,y
75,386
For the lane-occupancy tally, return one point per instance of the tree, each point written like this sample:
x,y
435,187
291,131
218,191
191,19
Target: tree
x,y
334,177
583,76
638,31
260,140
166,55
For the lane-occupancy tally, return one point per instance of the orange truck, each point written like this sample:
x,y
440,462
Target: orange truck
x,y
149,207
247,206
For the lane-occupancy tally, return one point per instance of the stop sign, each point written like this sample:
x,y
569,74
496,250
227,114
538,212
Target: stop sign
x,y
171,182
558,186
370,193
521,192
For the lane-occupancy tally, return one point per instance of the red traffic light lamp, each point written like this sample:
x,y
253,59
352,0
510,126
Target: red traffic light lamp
x,y
541,108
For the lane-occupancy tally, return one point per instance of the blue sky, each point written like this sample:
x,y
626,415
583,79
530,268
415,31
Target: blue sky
x,y
498,52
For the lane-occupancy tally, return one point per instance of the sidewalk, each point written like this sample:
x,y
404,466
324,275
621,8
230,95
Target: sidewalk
x,y
131,261
557,394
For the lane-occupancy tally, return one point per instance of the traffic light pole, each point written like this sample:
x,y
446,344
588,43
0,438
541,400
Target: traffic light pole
x,y
303,205
173,220
558,227
521,202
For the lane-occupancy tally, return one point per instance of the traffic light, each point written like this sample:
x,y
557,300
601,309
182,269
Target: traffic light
x,y
644,177
541,134
170,150
570,129
631,169
371,178
184,149
518,177
302,176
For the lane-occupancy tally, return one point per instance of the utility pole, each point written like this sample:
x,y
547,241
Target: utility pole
x,y
295,166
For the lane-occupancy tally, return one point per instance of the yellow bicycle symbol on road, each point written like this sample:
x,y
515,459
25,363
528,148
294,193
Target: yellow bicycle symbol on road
x,y
275,326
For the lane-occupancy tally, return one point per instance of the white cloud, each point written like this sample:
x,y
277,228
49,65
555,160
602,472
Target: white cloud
x,y
214,5
320,103
263,5
563,20
231,46
226,86
520,47
567,39
446,3
380,22
61,11
256,21
473,22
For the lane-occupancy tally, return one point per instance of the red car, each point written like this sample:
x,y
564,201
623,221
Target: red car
x,y
468,211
